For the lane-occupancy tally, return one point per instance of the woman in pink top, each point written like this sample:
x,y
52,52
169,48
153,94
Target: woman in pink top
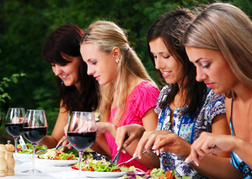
x,y
128,94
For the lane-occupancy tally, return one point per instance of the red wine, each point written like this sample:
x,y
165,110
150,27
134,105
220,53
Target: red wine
x,y
14,129
81,141
35,134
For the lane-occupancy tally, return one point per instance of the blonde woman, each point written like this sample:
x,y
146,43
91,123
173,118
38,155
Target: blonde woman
x,y
128,94
219,43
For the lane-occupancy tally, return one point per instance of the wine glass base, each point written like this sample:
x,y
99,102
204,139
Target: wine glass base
x,y
32,171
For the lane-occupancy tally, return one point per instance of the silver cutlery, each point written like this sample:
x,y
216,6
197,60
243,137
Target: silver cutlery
x,y
176,166
134,158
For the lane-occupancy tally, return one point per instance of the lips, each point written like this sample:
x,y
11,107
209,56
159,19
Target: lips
x,y
209,85
64,77
97,78
165,74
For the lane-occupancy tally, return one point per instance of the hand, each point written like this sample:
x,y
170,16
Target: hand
x,y
62,138
209,143
133,131
66,142
147,140
171,142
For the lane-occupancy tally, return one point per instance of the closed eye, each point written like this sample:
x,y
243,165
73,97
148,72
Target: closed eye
x,y
206,65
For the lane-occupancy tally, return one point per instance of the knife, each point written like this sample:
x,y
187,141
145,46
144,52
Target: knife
x,y
117,154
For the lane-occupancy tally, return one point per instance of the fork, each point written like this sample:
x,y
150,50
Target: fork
x,y
62,146
176,166
134,158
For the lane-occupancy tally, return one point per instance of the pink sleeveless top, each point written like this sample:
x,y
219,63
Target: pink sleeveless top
x,y
140,100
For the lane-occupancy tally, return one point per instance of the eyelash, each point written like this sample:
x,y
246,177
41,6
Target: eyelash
x,y
206,66
163,56
93,63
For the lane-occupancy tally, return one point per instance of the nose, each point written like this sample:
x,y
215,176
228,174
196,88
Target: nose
x,y
57,69
158,63
90,71
200,75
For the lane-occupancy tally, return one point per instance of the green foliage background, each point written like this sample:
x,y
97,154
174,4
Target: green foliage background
x,y
25,25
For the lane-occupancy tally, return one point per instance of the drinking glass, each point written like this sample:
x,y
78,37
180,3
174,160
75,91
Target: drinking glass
x,y
35,129
81,132
14,125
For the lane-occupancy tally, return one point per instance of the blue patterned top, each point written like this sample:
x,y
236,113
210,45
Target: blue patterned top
x,y
236,161
187,127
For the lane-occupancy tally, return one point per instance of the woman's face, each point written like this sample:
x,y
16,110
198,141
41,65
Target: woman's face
x,y
212,68
170,68
100,64
68,72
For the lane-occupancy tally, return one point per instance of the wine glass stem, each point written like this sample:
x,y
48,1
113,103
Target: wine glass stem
x,y
15,144
33,156
80,164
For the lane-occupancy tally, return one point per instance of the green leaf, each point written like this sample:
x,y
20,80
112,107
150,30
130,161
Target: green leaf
x,y
6,85
14,80
6,79
15,75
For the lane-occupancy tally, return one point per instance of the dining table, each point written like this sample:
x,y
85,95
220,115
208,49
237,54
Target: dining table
x,y
47,171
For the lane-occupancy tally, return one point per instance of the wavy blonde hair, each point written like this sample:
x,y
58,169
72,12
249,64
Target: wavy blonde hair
x,y
108,35
226,28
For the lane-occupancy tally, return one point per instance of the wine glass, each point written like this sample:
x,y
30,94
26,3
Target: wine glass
x,y
81,132
35,129
14,125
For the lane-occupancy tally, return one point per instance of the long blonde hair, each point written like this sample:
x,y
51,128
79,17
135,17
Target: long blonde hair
x,y
226,28
108,35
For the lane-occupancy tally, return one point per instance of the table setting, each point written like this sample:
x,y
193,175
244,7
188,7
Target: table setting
x,y
40,162
33,126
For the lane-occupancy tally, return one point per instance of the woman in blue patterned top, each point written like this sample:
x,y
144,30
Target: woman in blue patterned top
x,y
221,39
185,107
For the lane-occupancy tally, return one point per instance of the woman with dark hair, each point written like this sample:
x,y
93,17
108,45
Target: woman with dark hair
x,y
185,107
77,90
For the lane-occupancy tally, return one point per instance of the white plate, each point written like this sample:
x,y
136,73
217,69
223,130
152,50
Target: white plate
x,y
103,174
24,156
56,162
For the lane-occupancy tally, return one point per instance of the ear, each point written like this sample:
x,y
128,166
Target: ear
x,y
116,52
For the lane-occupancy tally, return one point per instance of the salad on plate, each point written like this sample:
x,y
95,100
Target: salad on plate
x,y
101,166
52,154
156,173
38,149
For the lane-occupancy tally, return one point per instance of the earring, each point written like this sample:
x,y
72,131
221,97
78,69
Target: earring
x,y
62,82
118,60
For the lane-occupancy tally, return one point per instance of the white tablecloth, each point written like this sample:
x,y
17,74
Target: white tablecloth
x,y
52,172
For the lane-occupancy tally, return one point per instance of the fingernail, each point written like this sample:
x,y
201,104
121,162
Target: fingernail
x,y
187,159
124,151
134,155
162,150
153,148
125,145
196,163
139,157
157,152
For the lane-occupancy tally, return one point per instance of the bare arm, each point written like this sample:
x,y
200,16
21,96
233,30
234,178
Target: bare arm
x,y
58,131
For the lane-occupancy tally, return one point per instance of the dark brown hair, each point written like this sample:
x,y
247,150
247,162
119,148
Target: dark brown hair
x,y
171,27
66,40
